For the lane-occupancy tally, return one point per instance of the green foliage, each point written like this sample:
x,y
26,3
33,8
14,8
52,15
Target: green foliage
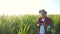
x,y
23,24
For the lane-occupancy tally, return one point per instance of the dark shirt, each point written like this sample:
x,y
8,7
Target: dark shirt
x,y
47,21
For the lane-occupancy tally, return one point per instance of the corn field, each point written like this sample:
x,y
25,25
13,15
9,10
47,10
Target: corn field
x,y
25,24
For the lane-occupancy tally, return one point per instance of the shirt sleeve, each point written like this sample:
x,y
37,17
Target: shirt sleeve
x,y
51,23
37,22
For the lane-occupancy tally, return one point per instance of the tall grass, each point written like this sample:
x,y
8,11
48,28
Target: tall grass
x,y
23,24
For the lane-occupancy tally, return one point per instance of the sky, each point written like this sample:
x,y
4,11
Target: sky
x,y
22,7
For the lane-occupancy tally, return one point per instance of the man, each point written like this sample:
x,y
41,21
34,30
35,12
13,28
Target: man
x,y
46,27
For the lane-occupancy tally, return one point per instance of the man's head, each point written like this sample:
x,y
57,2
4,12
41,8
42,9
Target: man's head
x,y
42,13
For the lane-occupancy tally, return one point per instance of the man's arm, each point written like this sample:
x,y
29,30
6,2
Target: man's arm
x,y
51,24
37,23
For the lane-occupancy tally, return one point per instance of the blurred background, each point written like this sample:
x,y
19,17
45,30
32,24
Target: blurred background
x,y
19,16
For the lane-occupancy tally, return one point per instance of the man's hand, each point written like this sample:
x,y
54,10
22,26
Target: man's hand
x,y
37,24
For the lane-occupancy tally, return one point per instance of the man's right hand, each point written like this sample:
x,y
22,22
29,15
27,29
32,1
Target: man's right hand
x,y
37,24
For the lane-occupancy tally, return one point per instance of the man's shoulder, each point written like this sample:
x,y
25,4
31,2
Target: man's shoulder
x,y
48,18
39,17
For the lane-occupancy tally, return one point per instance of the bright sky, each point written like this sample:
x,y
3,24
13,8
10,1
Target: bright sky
x,y
16,7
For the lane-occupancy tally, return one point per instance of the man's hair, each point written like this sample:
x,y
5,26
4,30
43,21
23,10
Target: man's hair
x,y
42,11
